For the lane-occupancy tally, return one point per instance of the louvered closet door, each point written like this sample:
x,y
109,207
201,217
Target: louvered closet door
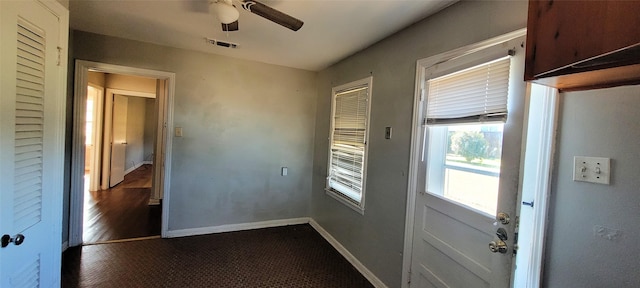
x,y
31,145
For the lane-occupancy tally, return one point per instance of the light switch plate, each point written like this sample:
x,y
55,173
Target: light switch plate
x,y
592,169
178,131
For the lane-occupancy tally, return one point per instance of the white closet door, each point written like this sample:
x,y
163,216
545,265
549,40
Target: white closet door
x,y
32,101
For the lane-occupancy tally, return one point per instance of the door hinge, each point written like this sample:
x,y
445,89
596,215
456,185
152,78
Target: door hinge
x,y
59,55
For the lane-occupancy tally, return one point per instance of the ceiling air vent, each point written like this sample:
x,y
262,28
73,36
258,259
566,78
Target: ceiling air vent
x,y
222,43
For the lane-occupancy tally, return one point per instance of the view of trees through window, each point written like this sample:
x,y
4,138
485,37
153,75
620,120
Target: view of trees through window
x,y
477,145
472,165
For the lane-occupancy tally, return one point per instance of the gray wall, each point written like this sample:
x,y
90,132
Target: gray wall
x,y
149,128
376,238
134,153
601,123
242,121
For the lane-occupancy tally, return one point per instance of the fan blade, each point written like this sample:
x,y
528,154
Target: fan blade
x,y
233,26
272,15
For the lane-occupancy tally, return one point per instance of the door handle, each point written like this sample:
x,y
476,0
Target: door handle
x,y
503,218
17,240
498,247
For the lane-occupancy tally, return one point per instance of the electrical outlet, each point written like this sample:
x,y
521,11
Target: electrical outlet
x,y
592,169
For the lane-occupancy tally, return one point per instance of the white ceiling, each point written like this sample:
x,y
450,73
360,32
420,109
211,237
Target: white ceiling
x,y
333,29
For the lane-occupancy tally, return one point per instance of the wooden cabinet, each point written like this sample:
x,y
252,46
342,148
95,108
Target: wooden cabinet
x,y
575,45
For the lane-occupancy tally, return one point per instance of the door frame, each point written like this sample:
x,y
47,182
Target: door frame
x,y
416,147
163,139
107,130
98,118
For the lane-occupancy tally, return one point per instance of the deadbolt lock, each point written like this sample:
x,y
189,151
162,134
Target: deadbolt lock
x,y
498,246
502,234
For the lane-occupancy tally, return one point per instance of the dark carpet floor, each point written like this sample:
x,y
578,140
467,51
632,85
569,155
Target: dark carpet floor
x,y
290,256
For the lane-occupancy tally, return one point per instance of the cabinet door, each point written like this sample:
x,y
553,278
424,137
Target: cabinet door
x,y
561,33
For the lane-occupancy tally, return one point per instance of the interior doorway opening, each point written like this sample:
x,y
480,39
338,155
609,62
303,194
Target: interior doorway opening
x,y
117,202
119,153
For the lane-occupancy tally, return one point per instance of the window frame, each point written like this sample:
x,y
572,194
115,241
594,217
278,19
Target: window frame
x,y
340,197
457,64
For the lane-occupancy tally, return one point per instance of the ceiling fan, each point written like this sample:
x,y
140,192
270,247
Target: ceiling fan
x,y
228,14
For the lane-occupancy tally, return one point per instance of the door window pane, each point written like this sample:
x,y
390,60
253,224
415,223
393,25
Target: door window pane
x,y
464,164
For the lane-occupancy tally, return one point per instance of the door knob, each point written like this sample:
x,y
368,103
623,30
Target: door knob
x,y
503,218
498,246
17,240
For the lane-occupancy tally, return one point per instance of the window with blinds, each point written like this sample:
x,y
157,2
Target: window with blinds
x,y
476,94
348,147
466,112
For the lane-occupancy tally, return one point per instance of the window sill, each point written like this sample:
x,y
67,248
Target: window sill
x,y
339,198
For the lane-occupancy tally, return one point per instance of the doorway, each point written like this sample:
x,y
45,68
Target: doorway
x,y
118,173
468,129
119,107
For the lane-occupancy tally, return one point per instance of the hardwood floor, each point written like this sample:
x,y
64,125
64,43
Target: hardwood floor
x,y
121,212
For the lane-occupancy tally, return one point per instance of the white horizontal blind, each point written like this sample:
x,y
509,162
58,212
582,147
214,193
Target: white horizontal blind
x,y
476,94
348,143
29,127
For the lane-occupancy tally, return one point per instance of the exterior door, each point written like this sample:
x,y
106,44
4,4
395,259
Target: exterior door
x,y
451,242
32,98
119,142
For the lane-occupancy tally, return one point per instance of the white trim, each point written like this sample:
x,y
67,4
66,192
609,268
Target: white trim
x,y
77,157
544,153
358,207
416,147
469,49
59,122
147,162
123,240
131,93
347,255
134,167
542,198
278,223
98,117
107,131
235,227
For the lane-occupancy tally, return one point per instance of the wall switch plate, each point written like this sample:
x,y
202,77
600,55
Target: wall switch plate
x,y
592,169
284,171
178,131
387,133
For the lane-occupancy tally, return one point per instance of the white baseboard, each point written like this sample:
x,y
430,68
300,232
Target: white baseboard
x,y
65,246
134,167
236,227
275,223
137,166
352,259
